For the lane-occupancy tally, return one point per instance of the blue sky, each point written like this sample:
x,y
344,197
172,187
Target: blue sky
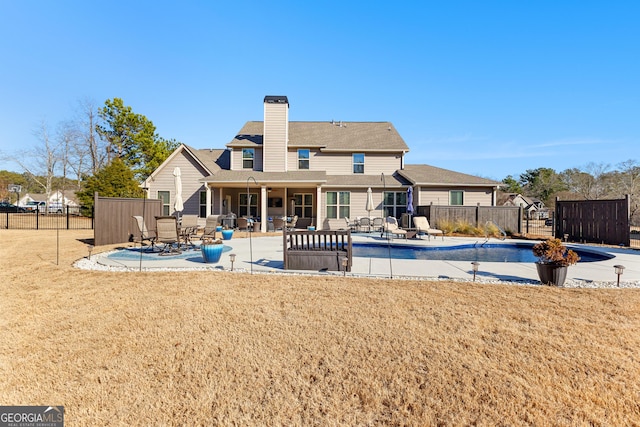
x,y
489,88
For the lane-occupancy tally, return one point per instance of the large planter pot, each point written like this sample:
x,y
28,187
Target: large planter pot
x,y
211,252
552,274
227,234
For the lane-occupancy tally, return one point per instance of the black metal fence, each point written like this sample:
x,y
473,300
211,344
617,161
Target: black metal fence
x,y
69,218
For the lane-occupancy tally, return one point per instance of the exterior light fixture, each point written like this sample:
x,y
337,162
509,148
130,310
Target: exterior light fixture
x,y
474,266
232,258
345,264
619,269
90,249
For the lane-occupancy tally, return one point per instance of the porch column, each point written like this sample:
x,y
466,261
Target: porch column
x,y
207,209
319,218
263,209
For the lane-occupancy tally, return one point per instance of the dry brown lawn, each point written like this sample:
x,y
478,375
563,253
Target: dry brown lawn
x,y
221,348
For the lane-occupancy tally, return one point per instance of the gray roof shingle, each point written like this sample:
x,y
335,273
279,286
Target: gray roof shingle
x,y
431,176
328,136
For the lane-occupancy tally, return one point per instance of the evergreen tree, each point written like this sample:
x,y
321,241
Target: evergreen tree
x,y
114,180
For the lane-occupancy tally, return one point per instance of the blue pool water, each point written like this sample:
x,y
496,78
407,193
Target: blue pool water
x,y
513,252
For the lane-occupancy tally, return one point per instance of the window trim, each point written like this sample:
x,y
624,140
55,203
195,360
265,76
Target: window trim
x,y
202,207
302,159
248,206
396,209
251,159
451,192
166,207
357,164
339,207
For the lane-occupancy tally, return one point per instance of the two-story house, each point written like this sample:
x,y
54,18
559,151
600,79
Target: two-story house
x,y
320,171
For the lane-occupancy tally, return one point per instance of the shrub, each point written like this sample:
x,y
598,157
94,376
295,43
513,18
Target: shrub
x,y
552,251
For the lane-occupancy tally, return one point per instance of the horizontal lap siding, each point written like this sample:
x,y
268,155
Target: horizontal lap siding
x,y
276,137
440,196
342,163
236,159
190,173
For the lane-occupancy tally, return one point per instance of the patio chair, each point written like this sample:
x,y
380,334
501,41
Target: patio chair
x,y
167,232
422,225
189,229
365,224
211,222
391,228
144,235
242,224
351,225
292,224
278,224
377,224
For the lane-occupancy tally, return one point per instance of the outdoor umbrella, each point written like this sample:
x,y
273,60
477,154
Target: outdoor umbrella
x,y
178,205
369,206
410,203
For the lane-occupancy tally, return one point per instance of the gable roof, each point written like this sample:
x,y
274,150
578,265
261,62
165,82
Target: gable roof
x,y
211,160
430,175
329,136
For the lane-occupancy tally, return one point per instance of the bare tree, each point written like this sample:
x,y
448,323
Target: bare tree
x,y
89,144
627,181
591,181
42,162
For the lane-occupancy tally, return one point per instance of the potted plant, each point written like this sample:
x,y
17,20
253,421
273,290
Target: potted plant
x,y
211,250
554,259
227,233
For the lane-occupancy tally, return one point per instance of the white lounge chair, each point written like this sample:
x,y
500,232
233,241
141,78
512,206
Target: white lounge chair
x,y
422,225
392,229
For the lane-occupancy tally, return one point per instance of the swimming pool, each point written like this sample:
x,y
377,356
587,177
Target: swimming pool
x,y
491,252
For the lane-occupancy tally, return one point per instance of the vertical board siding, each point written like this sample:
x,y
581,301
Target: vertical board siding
x,y
594,221
114,221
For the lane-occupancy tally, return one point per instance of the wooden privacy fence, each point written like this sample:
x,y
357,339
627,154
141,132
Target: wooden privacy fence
x,y
509,218
317,250
114,221
594,221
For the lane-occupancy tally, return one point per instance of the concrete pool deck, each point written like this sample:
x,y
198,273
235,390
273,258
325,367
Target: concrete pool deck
x,y
264,254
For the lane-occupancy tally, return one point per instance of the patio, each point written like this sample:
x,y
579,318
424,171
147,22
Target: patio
x,y
264,255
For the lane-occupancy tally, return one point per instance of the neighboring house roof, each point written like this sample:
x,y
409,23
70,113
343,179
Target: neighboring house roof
x,y
530,203
328,136
426,175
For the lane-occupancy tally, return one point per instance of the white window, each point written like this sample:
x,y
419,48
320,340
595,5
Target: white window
x,y
394,203
203,204
338,204
248,205
456,197
165,196
303,205
358,163
248,156
303,159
